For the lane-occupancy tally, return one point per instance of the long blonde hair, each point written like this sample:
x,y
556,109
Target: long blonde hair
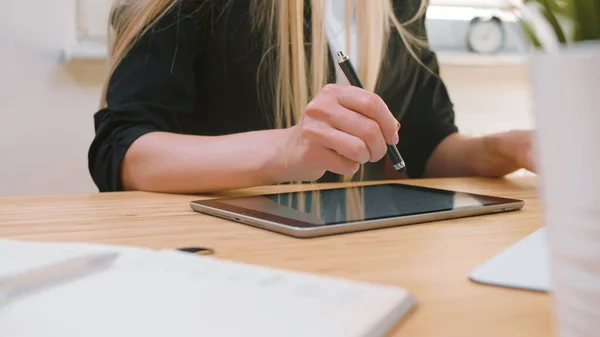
x,y
283,21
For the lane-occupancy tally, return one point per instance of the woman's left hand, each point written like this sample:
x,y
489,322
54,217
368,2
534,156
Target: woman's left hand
x,y
494,155
510,151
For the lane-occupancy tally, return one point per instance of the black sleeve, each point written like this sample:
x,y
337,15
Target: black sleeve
x,y
150,87
429,117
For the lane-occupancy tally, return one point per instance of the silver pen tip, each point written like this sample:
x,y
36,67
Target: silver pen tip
x,y
400,167
342,57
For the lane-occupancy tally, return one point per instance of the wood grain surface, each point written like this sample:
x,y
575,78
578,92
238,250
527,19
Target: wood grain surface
x,y
430,260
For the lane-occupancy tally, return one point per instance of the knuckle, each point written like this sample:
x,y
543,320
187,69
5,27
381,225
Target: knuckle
x,y
373,101
311,107
315,109
379,153
358,152
309,130
329,88
372,131
353,152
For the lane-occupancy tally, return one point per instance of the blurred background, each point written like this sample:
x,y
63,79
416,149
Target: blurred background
x,y
53,68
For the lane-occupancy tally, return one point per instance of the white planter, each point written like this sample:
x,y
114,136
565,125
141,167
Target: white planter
x,y
566,98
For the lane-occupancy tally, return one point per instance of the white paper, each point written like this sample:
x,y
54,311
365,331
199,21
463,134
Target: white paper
x,y
150,293
523,265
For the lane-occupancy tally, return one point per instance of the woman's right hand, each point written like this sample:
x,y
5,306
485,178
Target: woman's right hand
x,y
342,127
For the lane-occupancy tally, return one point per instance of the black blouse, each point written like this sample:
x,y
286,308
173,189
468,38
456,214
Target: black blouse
x,y
195,72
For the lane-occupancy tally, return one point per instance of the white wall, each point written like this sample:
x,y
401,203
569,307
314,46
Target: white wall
x,y
489,98
46,106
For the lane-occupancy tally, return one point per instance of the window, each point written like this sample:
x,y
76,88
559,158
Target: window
x,y
90,27
475,3
92,19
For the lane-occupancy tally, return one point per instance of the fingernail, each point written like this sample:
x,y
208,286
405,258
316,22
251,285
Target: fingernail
x,y
395,139
397,126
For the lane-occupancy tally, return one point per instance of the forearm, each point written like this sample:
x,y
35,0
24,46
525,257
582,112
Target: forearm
x,y
460,155
174,163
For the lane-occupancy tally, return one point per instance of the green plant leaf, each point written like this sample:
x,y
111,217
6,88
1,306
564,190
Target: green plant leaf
x,y
549,12
582,16
585,15
559,6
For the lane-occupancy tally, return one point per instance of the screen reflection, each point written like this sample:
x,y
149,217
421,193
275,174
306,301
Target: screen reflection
x,y
333,206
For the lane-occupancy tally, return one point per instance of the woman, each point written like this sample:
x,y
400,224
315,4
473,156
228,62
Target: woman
x,y
207,95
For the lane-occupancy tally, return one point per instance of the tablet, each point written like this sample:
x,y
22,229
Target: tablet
x,y
341,210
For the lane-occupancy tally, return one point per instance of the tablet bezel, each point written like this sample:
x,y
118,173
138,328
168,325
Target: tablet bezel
x,y
301,229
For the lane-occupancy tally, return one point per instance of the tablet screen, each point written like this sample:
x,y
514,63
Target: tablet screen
x,y
343,205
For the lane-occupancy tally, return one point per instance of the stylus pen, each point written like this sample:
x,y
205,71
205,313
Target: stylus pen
x,y
350,72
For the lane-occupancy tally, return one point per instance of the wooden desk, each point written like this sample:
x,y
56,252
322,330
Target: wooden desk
x,y
431,260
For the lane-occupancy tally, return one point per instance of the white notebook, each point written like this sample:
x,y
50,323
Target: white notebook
x,y
167,293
